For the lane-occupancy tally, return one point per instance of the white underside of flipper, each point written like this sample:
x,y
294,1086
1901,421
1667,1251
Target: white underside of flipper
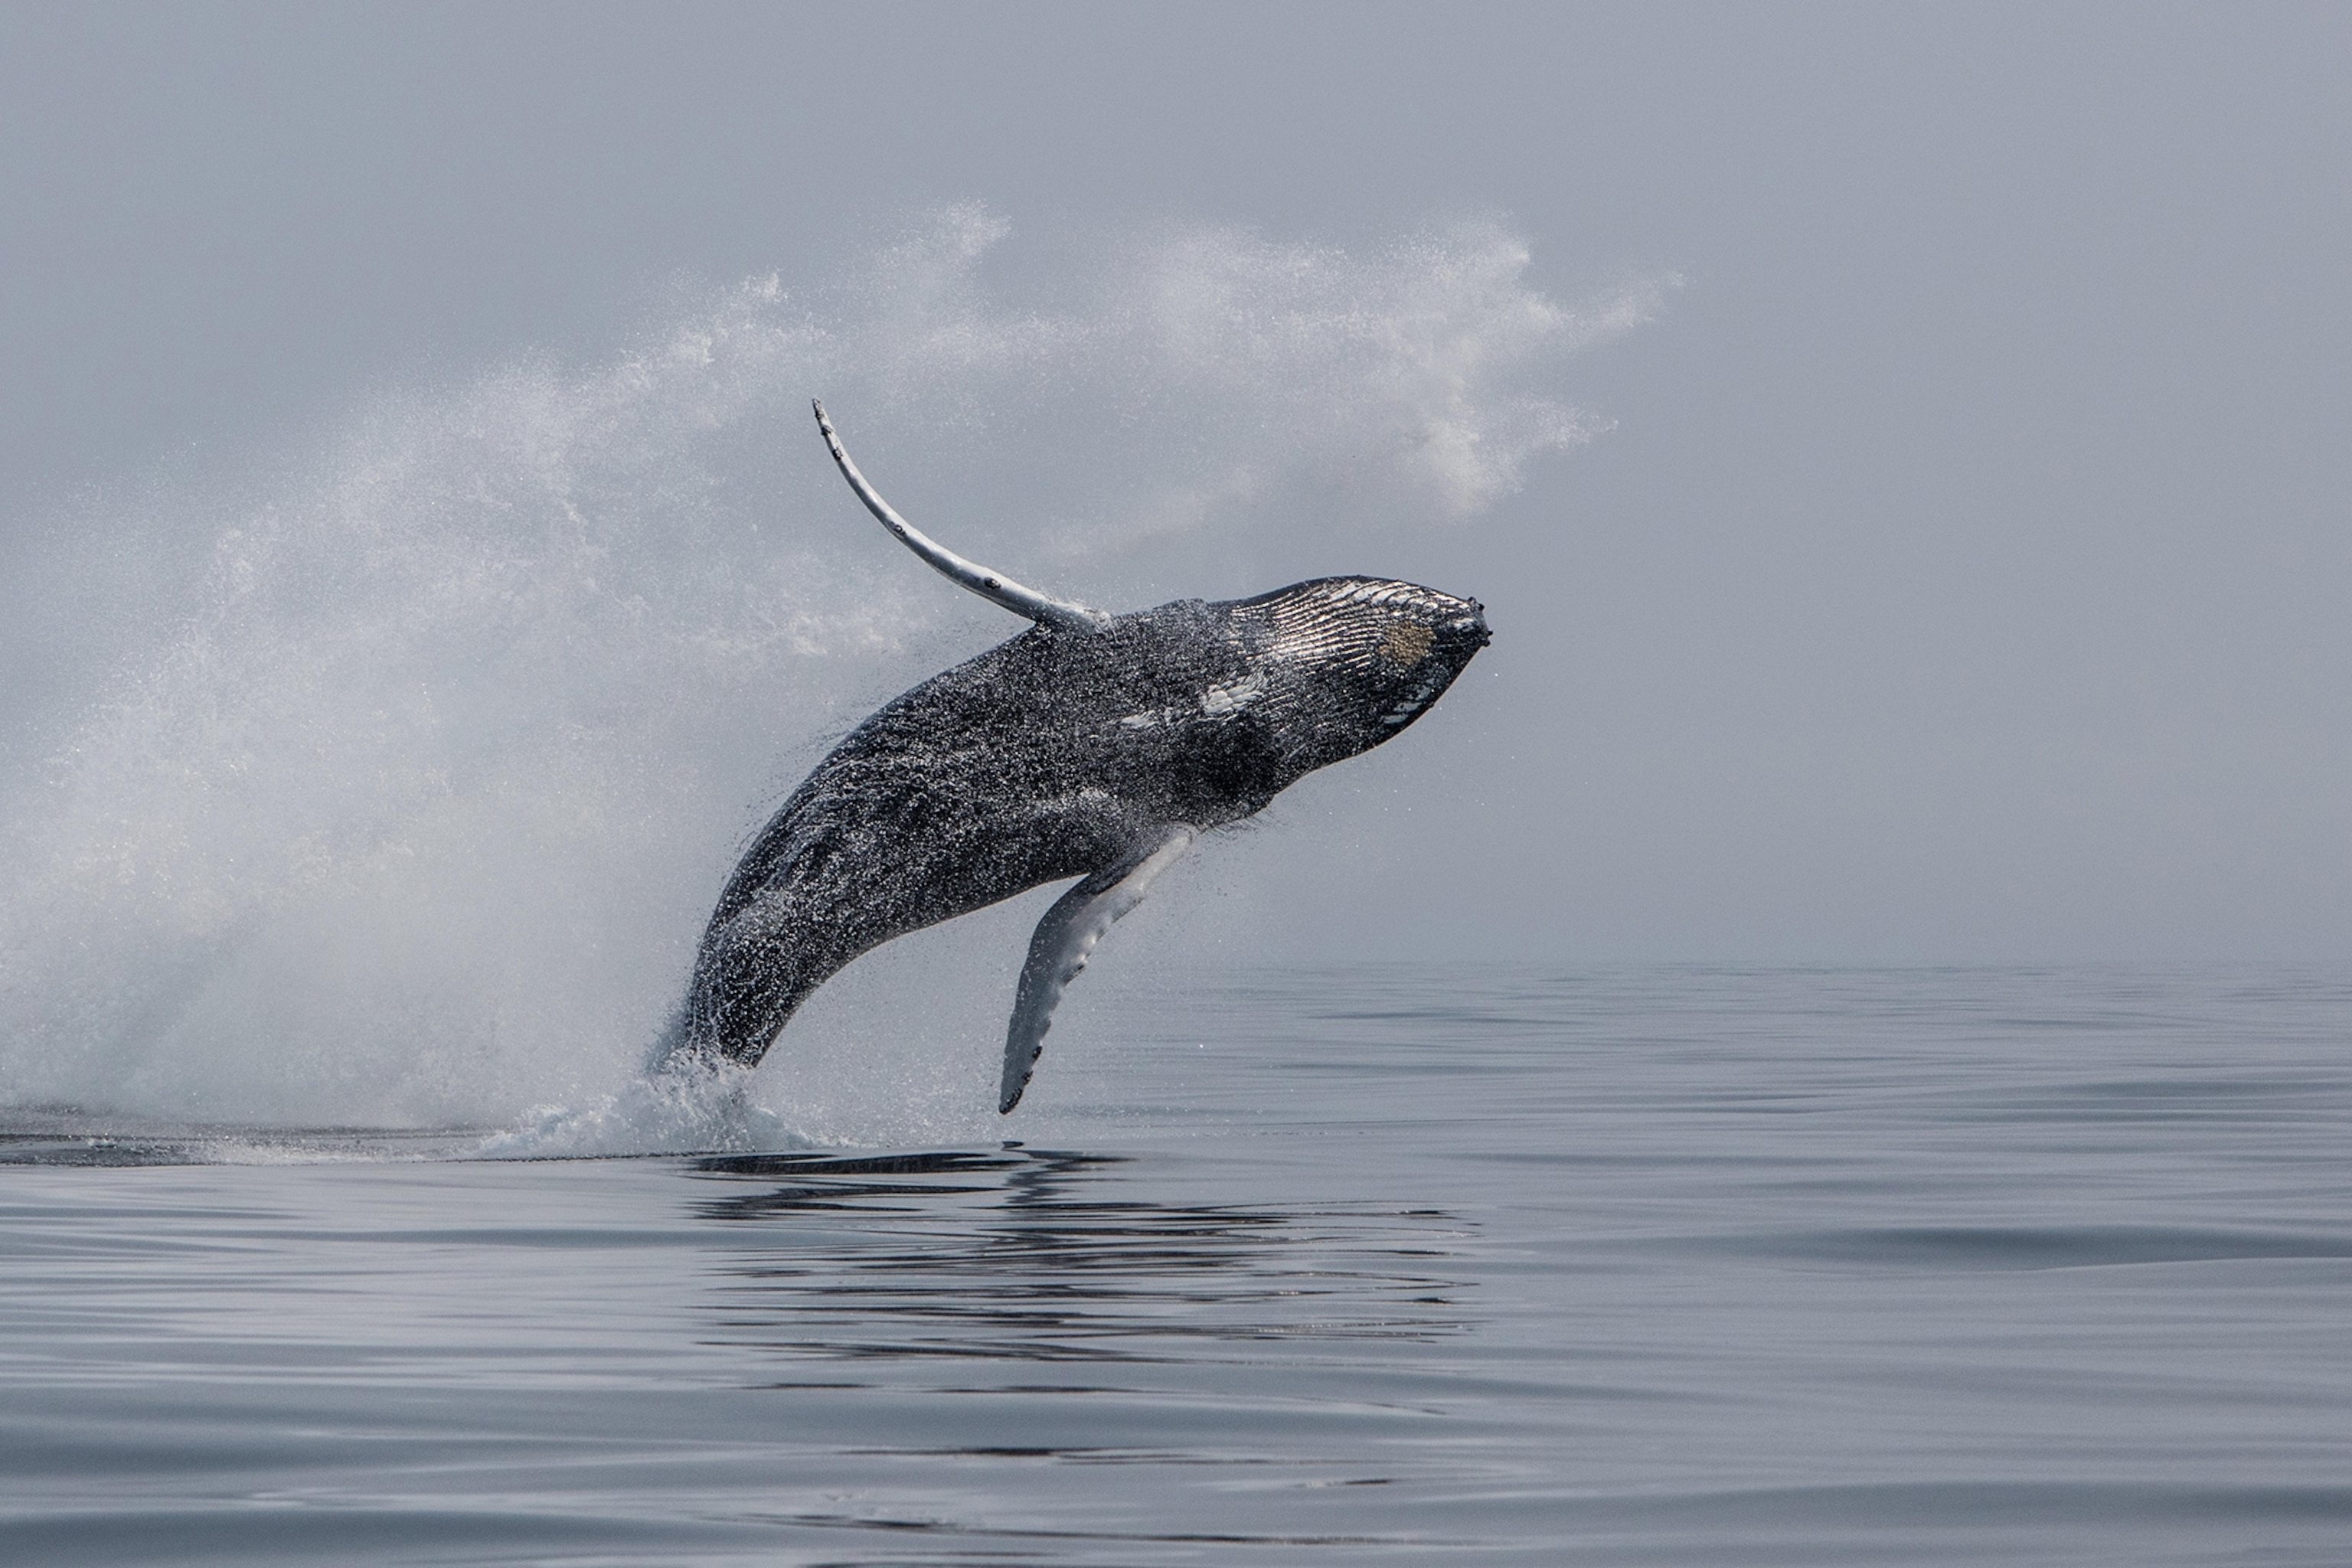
x,y
1059,950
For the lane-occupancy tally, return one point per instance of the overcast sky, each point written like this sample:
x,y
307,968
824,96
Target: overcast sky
x,y
1965,571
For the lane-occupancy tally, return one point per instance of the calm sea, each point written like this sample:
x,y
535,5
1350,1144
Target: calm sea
x,y
1426,1266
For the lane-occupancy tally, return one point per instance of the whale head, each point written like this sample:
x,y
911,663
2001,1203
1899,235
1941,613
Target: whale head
x,y
1354,660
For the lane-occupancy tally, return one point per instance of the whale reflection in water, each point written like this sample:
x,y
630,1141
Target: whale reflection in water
x,y
1028,1255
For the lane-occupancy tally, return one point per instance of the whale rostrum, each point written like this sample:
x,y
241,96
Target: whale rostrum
x,y
1091,746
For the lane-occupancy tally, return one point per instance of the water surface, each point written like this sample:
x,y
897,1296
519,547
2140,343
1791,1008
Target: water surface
x,y
1503,1265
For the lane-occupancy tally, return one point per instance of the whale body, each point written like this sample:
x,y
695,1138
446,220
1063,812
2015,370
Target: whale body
x,y
1091,746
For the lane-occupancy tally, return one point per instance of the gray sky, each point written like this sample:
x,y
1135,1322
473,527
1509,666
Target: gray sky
x,y
1967,573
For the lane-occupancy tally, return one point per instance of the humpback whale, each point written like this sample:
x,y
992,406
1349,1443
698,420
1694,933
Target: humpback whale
x,y
1092,746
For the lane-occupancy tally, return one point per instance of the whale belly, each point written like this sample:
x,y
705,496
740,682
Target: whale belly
x,y
838,873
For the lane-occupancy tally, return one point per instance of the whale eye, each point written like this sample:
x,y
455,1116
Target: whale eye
x,y
1408,643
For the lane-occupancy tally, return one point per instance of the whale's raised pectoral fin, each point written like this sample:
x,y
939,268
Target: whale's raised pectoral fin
x,y
993,586
1065,939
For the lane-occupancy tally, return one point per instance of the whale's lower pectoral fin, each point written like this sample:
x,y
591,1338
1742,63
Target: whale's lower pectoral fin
x,y
1064,940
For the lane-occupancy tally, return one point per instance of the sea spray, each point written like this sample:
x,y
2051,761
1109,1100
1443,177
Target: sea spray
x,y
404,803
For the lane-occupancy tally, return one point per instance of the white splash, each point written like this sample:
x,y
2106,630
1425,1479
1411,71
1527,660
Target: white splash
x,y
658,1115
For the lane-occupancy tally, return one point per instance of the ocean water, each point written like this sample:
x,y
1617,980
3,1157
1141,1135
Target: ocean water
x,y
1424,1265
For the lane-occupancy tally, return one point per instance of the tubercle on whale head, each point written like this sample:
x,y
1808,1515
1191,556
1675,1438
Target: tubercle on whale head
x,y
1326,612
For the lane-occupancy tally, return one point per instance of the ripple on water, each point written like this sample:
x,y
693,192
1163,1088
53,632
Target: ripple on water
x,y
1682,1266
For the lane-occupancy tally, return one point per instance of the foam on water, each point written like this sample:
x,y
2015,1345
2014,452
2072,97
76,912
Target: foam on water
x,y
396,793
660,1113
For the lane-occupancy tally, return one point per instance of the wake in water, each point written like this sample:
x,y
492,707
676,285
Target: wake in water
x,y
403,805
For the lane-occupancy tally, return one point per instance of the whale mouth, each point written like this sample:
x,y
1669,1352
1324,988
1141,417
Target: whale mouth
x,y
1467,632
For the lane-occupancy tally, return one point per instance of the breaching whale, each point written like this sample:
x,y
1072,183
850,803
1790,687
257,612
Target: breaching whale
x,y
1091,745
